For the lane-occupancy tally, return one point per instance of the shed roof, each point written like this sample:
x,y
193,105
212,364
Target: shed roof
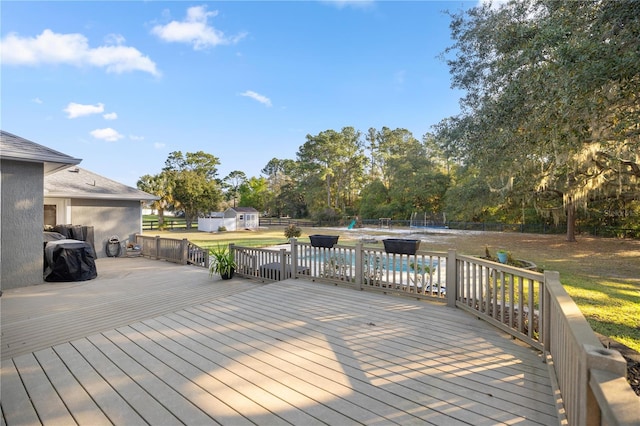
x,y
16,148
243,209
76,182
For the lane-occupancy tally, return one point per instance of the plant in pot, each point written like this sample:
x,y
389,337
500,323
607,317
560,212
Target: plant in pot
x,y
222,262
502,256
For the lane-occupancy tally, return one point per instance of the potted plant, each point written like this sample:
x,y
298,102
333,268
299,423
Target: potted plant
x,y
326,241
401,246
502,256
222,262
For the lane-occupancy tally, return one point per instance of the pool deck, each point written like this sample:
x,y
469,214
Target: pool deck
x,y
150,342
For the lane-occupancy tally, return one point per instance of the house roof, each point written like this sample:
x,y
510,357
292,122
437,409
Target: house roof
x,y
15,148
76,182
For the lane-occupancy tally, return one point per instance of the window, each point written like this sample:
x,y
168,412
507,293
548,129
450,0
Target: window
x,y
50,215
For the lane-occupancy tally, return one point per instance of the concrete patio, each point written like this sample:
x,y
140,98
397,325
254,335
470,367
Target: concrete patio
x,y
151,342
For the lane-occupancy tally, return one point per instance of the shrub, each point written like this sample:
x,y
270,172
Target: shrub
x,y
292,231
222,229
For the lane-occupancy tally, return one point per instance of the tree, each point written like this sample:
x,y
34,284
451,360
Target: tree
x,y
337,160
254,193
195,188
551,100
279,174
159,185
233,182
374,200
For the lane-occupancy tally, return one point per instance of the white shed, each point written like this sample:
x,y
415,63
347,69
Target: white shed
x,y
244,217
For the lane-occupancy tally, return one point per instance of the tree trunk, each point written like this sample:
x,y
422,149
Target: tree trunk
x,y
571,222
160,216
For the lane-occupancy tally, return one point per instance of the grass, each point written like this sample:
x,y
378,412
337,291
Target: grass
x,y
612,307
602,275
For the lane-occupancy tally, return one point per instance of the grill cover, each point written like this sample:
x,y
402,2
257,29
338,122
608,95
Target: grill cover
x,y
69,260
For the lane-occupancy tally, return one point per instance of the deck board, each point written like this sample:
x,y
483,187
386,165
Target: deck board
x,y
127,290
126,350
71,392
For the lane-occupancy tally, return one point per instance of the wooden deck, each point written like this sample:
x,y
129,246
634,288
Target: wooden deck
x,y
149,342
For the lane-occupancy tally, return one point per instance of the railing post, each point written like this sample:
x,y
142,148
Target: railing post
x,y
232,250
294,257
599,358
359,253
157,247
283,265
546,310
184,251
451,279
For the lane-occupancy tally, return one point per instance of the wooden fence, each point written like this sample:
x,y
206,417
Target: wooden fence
x,y
150,225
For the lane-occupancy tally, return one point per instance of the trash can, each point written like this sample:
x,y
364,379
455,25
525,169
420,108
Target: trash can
x,y
113,246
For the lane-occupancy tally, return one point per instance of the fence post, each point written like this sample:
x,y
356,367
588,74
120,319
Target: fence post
x,y
359,253
451,279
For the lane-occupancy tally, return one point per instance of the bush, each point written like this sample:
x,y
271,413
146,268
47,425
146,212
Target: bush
x,y
292,231
222,229
327,216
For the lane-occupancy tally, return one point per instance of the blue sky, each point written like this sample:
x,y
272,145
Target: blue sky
x,y
121,84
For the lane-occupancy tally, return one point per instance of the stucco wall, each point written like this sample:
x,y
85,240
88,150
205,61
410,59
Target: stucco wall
x,y
22,218
108,218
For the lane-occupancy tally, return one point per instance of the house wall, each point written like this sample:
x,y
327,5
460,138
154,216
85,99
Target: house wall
x,y
108,218
21,224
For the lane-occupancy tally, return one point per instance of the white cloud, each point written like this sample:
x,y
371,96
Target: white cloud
x,y
136,138
159,145
341,4
195,30
114,39
258,97
37,100
78,110
110,116
107,134
72,49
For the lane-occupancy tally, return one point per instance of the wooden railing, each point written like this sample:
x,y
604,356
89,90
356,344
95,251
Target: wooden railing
x,y
509,298
591,378
173,250
531,306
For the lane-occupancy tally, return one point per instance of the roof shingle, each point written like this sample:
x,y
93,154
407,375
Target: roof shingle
x,y
76,182
15,148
